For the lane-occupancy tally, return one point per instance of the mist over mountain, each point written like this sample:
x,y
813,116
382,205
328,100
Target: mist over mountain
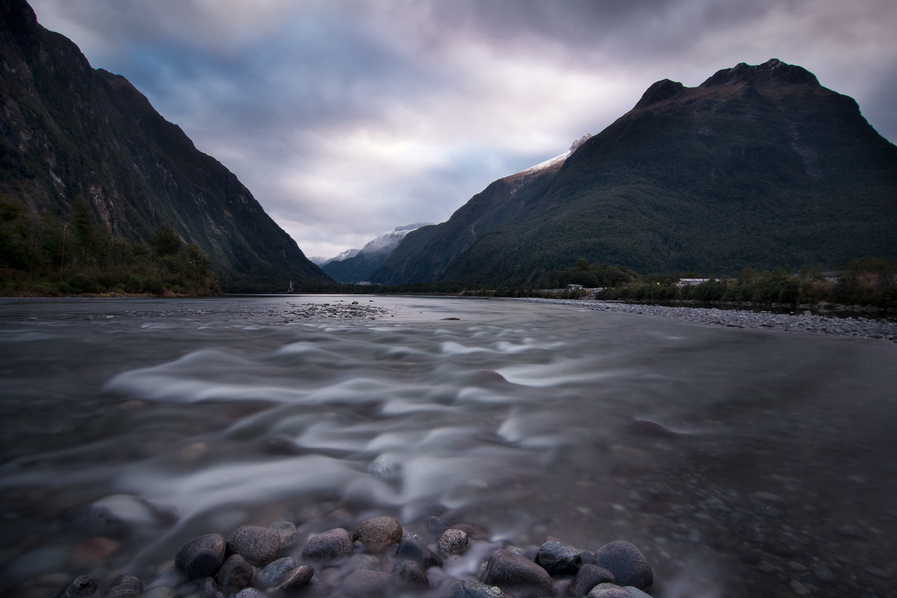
x,y
357,265
758,166
71,133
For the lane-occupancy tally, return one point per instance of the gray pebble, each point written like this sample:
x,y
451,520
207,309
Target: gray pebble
x,y
410,573
124,586
506,569
258,545
83,586
201,557
626,562
608,590
588,577
364,582
413,548
332,545
296,579
286,530
453,541
559,558
235,574
475,589
274,572
435,524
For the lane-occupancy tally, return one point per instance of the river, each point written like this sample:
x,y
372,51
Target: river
x,y
741,462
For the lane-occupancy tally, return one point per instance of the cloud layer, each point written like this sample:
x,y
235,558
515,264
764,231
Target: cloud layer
x,y
347,118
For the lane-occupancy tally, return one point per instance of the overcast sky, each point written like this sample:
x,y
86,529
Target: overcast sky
x,y
348,118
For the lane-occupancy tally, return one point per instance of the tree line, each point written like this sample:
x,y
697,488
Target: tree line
x,y
46,254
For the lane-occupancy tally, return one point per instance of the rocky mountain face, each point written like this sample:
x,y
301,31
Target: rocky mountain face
x,y
357,265
758,166
69,132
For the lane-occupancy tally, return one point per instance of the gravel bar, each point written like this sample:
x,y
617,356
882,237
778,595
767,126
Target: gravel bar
x,y
735,318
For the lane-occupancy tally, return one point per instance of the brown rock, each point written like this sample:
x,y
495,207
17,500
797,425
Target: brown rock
x,y
378,533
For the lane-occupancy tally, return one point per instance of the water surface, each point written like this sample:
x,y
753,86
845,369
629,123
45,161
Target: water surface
x,y
741,462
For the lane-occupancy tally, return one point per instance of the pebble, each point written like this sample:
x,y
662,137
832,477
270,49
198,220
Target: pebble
x,y
588,577
437,525
364,582
413,549
258,545
506,569
81,587
608,590
475,589
333,545
453,541
559,558
627,563
378,533
296,579
201,557
410,573
286,530
235,574
274,572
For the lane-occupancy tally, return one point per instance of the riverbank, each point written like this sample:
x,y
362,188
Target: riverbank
x,y
853,326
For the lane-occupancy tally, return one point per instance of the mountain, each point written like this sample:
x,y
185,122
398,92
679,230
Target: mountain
x,y
758,166
357,265
71,133
425,254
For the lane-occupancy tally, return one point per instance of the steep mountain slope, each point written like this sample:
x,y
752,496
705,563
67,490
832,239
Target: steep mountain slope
x,y
359,265
759,165
70,132
434,249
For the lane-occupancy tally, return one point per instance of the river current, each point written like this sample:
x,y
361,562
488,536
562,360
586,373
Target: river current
x,y
741,462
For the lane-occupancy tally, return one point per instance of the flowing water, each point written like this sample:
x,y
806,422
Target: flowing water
x,y
741,462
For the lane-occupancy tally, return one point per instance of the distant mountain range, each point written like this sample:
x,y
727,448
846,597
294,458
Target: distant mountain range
x,y
758,166
355,266
70,132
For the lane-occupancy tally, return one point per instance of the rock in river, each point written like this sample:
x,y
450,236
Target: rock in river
x,y
627,563
332,545
509,570
378,533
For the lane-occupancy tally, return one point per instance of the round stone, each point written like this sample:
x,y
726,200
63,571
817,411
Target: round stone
x,y
506,569
608,590
559,558
296,579
286,530
378,533
474,589
453,541
627,563
83,586
437,525
332,545
201,557
410,573
364,582
258,545
588,577
235,574
274,572
413,548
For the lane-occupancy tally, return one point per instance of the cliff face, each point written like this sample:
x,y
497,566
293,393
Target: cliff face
x,y
759,166
70,132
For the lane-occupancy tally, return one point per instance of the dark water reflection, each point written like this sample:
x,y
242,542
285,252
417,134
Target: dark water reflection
x,y
741,462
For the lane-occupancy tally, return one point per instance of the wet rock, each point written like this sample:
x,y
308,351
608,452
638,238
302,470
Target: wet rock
x,y
83,586
332,545
364,582
258,545
559,558
452,541
249,593
506,569
235,574
201,557
378,533
209,588
296,579
413,549
636,593
588,577
124,586
608,590
437,525
627,563
286,530
273,572
410,573
475,589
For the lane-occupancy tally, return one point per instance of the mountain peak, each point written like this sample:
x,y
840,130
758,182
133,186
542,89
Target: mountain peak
x,y
772,73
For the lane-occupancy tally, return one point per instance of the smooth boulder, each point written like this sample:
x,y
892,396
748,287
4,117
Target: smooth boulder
x,y
258,545
627,563
508,570
201,557
332,545
378,534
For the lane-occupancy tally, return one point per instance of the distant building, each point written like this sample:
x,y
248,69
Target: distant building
x,y
687,282
574,287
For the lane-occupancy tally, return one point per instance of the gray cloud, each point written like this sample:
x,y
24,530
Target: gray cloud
x,y
347,118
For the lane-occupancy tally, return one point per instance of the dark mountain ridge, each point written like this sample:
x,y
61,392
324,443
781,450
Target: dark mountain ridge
x,y
758,166
70,132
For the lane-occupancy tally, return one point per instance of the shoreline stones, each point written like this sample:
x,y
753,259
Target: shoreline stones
x,y
255,562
